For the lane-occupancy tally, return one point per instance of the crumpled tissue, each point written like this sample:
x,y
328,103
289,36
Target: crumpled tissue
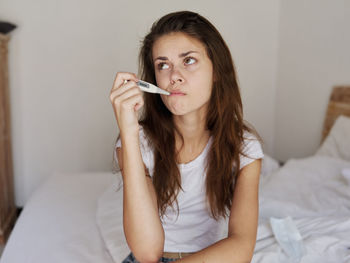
x,y
289,239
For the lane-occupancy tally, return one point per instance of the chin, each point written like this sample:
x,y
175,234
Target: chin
x,y
176,108
178,113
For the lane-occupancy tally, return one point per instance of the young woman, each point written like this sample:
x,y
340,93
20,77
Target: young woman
x,y
190,160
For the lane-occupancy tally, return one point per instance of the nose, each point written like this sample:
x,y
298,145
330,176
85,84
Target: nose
x,y
176,77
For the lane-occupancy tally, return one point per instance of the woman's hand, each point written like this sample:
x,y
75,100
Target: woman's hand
x,y
126,98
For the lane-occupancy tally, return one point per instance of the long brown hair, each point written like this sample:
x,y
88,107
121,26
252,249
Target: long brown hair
x,y
224,118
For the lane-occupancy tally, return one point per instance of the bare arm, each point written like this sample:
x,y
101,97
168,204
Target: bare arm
x,y
142,226
238,247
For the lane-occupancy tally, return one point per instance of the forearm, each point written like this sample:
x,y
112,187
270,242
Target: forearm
x,y
233,249
142,226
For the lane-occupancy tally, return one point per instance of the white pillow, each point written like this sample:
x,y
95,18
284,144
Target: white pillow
x,y
337,143
306,187
110,220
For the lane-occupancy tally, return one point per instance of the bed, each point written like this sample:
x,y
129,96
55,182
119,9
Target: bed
x,y
315,193
76,217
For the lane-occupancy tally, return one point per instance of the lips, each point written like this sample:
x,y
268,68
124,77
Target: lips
x,y
176,93
175,90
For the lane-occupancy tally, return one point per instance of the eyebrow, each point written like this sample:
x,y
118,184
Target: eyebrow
x,y
180,56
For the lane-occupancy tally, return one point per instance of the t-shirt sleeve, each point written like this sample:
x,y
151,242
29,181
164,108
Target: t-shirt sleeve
x,y
252,149
146,152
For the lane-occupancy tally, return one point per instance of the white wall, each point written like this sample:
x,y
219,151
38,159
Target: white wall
x,y
314,55
63,59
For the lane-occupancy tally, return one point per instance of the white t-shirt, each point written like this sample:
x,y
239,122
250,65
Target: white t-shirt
x,y
193,228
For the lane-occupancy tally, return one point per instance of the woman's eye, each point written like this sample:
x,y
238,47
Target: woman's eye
x,y
190,61
163,66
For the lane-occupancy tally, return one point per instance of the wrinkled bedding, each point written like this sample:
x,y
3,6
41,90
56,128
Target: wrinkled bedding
x,y
315,193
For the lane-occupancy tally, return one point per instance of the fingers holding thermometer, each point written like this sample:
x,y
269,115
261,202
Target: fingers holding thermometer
x,y
126,98
121,80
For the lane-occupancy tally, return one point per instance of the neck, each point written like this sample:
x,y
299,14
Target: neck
x,y
194,132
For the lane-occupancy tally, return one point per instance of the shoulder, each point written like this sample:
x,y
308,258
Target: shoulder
x,y
251,149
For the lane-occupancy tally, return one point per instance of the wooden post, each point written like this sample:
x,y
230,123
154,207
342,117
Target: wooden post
x,y
7,204
339,104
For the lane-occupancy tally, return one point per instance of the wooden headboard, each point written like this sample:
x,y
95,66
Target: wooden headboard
x,y
339,104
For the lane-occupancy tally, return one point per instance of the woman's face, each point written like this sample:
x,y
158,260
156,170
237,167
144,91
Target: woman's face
x,y
183,68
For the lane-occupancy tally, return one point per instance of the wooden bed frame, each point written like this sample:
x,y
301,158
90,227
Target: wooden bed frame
x,y
339,104
8,213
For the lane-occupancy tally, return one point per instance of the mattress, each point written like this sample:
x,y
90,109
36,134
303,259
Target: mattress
x,y
58,223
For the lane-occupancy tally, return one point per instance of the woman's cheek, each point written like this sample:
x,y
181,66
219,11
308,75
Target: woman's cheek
x,y
161,80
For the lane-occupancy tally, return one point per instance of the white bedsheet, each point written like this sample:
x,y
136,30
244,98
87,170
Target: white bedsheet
x,y
66,231
314,192
326,239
